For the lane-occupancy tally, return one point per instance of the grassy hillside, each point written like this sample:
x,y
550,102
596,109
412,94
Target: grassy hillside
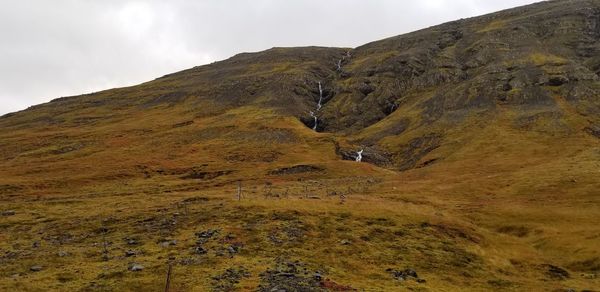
x,y
480,168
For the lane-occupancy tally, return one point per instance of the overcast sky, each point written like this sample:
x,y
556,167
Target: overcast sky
x,y
54,48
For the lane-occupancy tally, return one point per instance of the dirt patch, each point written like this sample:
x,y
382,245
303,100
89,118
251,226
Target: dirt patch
x,y
196,199
183,124
518,231
206,175
556,273
302,168
427,163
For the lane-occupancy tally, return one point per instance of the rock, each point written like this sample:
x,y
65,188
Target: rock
x,y
136,267
131,241
402,275
232,249
167,243
345,242
130,253
593,130
556,273
557,80
411,273
62,254
8,213
208,233
200,250
589,276
36,268
365,88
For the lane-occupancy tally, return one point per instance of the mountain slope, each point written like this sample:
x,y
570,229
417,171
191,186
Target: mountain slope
x,y
479,170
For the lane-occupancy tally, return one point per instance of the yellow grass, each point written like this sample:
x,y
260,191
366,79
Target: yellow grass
x,y
491,216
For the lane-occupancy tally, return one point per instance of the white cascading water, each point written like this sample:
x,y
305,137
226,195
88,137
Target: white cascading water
x,y
312,114
359,155
320,97
319,105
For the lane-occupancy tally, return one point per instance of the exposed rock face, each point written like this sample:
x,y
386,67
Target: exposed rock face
x,y
535,67
502,59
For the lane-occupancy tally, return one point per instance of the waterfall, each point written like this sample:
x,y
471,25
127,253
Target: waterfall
x,y
320,97
359,155
339,62
312,114
319,105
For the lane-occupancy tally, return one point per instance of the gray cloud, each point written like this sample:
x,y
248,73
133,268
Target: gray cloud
x,y
67,47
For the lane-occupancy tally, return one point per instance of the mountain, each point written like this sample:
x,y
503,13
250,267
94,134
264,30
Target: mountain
x,y
479,141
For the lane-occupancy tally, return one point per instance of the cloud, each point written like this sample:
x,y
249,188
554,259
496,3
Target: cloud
x,y
66,47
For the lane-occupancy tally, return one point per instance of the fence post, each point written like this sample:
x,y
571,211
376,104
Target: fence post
x,y
168,284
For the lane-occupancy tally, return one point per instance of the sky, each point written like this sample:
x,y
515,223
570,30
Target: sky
x,y
50,49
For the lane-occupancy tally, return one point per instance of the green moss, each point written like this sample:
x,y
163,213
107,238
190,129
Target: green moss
x,y
542,59
493,25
